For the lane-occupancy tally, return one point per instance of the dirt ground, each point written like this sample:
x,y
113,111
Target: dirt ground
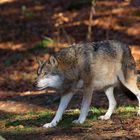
x,y
24,24
115,129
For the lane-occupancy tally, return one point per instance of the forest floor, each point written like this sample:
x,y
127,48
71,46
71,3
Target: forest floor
x,y
30,29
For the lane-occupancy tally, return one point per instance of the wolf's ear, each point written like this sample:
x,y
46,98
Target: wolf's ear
x,y
46,63
53,61
39,61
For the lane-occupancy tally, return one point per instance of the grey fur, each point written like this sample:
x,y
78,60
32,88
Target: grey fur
x,y
98,66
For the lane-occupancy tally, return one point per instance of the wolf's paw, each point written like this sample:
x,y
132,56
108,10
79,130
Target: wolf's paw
x,y
138,114
78,121
50,125
104,117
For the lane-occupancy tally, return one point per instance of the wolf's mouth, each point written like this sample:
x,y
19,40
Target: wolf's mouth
x,y
45,87
40,88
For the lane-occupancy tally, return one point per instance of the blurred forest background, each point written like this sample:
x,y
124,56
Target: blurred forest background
x,y
39,28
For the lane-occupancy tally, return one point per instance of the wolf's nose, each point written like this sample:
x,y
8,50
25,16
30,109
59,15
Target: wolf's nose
x,y
35,84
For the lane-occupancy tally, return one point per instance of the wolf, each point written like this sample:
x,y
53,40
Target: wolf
x,y
91,67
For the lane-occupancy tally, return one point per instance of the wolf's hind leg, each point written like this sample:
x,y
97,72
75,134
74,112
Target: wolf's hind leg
x,y
133,87
87,96
112,104
62,106
138,97
131,83
136,91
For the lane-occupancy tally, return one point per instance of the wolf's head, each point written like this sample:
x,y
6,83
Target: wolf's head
x,y
48,75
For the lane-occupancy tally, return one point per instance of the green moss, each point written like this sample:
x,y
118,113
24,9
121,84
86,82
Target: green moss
x,y
13,59
41,45
136,13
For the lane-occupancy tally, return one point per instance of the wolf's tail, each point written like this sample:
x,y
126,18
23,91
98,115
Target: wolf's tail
x,y
128,75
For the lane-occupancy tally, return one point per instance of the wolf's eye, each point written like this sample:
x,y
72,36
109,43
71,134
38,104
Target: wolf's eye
x,y
45,72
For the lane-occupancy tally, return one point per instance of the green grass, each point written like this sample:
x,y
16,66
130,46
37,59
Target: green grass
x,y
127,111
13,59
136,13
33,121
30,119
26,12
43,44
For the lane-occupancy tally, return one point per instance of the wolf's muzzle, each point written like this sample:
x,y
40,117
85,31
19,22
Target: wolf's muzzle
x,y
35,85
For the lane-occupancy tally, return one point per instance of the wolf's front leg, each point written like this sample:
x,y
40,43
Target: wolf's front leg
x,y
112,104
62,106
87,96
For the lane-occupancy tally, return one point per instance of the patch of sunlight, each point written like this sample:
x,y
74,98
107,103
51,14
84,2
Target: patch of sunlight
x,y
20,107
76,111
6,1
12,46
135,31
127,109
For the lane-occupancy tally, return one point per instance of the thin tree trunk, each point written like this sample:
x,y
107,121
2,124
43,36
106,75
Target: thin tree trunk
x,y
92,12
